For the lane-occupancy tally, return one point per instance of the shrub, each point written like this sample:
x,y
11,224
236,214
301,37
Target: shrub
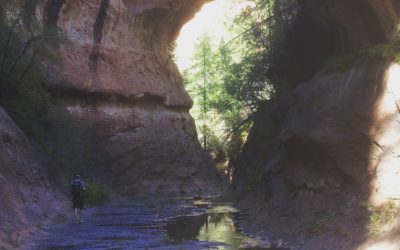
x,y
24,46
380,216
389,51
96,194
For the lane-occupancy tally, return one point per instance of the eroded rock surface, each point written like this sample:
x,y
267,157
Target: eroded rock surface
x,y
126,92
330,152
124,96
28,197
122,47
339,153
146,148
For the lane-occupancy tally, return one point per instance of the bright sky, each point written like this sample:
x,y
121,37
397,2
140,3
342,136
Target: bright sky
x,y
210,19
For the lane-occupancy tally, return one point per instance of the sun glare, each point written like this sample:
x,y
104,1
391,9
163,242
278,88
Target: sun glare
x,y
210,19
388,177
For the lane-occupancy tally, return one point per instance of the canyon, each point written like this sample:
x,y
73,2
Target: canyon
x,y
327,148
124,90
124,106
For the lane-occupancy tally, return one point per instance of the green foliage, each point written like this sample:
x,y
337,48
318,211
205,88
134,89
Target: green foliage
x,y
229,80
23,86
216,111
389,51
379,216
96,194
171,50
24,47
261,30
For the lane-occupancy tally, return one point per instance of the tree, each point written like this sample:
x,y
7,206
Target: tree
x,y
216,112
229,82
23,86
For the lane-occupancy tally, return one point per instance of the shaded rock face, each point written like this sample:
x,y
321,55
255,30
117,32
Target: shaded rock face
x,y
28,197
335,154
125,92
326,28
330,142
343,132
146,148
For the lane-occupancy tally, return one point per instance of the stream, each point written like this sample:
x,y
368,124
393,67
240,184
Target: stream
x,y
153,224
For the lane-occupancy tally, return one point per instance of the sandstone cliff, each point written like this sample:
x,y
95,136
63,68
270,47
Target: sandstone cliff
x,y
122,95
125,94
328,148
28,197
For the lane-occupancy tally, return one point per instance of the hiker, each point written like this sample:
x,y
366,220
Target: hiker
x,y
78,190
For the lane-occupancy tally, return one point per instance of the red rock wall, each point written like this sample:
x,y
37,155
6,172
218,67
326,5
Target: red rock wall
x,y
123,90
329,144
122,49
28,198
144,140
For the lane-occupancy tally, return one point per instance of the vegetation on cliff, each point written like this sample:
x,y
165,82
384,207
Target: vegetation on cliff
x,y
229,80
23,87
25,49
389,51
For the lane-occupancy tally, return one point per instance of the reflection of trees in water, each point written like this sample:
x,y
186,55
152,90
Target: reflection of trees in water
x,y
222,227
217,227
185,227
217,218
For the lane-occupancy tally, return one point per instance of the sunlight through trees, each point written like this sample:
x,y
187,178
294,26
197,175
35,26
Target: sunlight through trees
x,y
227,76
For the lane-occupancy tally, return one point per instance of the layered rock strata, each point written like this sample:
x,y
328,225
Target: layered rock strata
x,y
124,105
124,89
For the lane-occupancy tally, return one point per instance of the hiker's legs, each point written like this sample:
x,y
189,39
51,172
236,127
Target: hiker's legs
x,y
80,215
81,206
78,206
77,215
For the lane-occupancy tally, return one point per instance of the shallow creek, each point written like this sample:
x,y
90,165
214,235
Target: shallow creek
x,y
153,224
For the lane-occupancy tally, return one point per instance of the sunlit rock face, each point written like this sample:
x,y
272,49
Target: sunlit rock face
x,y
386,155
124,89
28,197
121,47
331,150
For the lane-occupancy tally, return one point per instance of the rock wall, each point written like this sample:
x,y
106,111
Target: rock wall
x,y
329,144
28,197
123,88
145,148
123,96
335,158
121,48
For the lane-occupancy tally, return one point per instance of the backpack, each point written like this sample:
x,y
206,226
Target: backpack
x,y
76,187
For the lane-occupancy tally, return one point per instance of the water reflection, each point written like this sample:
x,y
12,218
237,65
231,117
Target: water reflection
x,y
219,224
185,228
139,224
222,227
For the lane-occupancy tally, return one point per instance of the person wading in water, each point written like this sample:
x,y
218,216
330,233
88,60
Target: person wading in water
x,y
78,191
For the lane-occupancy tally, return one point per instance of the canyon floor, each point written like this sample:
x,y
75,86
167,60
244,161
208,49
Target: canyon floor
x,y
153,224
